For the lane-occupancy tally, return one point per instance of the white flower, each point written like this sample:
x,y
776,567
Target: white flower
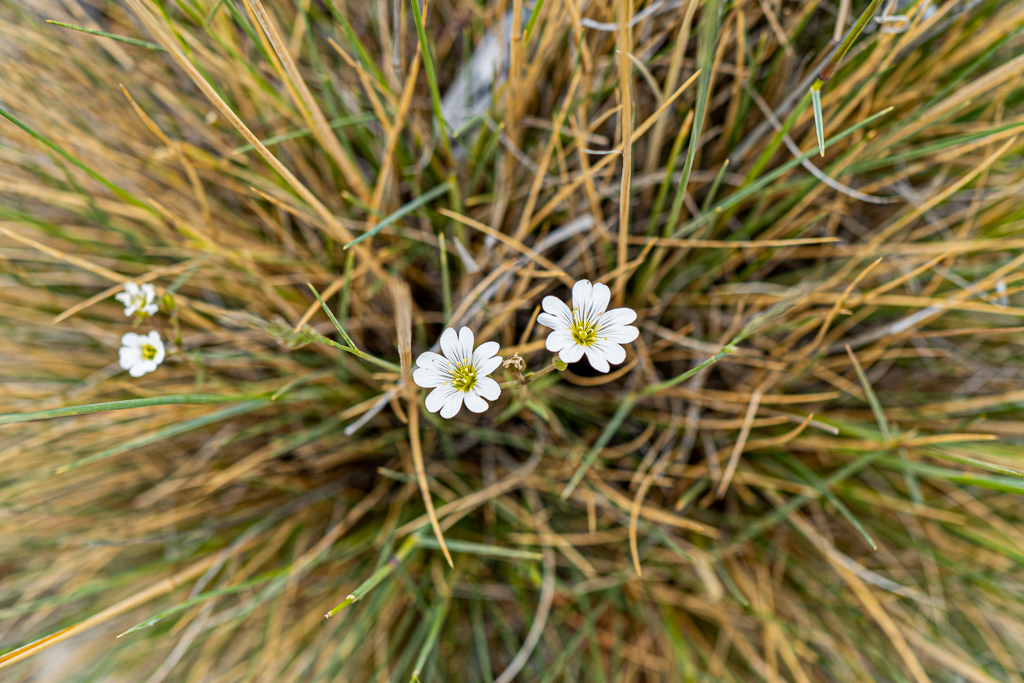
x,y
588,329
140,354
138,299
460,375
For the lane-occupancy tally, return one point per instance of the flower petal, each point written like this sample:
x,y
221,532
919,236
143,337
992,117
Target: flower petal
x,y
487,367
485,352
617,316
614,353
128,356
436,398
487,388
556,308
599,298
619,334
450,345
428,378
465,344
581,295
141,368
597,358
548,320
452,404
432,361
558,340
474,402
131,339
149,291
571,353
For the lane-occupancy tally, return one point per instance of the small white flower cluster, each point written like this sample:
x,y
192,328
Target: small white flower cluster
x,y
462,374
140,353
138,300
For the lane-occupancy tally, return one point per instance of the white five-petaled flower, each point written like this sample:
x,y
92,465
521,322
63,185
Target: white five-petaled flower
x,y
588,328
140,353
136,299
460,375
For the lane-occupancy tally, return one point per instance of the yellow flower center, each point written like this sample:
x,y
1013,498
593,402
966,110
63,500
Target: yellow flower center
x,y
583,332
148,351
464,377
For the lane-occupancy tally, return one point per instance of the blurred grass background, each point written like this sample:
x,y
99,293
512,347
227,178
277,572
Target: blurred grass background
x,y
836,498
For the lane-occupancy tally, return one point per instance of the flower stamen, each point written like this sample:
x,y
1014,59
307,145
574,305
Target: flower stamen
x,y
148,351
464,378
583,332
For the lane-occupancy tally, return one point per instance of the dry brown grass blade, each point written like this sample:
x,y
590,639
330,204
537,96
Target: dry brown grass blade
x,y
160,32
142,597
190,171
741,442
568,189
542,164
512,242
67,258
834,311
624,43
307,103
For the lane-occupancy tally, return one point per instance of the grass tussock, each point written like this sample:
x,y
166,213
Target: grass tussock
x,y
834,496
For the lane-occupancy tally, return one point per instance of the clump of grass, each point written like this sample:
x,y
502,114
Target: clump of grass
x,y
837,496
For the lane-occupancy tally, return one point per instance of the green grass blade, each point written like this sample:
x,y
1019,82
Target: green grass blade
x,y
446,278
483,549
876,405
424,198
534,15
440,612
621,413
428,66
819,121
335,124
174,399
166,433
330,314
103,34
713,190
814,480
116,189
350,345
765,180
368,62
203,597
705,61
382,572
